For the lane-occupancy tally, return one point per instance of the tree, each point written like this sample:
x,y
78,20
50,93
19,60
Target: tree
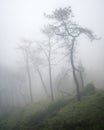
x,y
31,56
25,48
37,62
48,54
47,49
69,32
62,81
81,74
19,80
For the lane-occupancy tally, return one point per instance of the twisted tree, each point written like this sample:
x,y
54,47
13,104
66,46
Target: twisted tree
x,y
68,31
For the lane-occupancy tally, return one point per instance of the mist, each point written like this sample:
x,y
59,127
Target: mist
x,y
25,73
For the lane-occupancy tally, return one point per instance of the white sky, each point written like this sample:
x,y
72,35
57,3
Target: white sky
x,y
24,19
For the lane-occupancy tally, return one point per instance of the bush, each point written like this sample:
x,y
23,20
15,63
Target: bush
x,y
88,90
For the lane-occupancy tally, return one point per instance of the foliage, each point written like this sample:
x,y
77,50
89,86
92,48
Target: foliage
x,y
88,90
87,114
60,115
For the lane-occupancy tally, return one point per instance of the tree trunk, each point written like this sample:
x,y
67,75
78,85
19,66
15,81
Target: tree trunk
x,y
50,73
29,79
44,86
51,86
74,70
82,80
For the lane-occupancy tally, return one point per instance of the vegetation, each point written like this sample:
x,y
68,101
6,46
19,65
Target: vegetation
x,y
65,28
88,90
87,114
45,87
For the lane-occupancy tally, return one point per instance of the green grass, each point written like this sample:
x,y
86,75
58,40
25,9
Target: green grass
x,y
65,114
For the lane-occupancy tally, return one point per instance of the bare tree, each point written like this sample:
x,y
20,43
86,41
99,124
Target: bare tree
x,y
48,48
19,80
26,51
69,31
37,63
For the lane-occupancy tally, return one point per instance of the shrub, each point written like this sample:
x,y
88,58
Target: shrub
x,y
88,90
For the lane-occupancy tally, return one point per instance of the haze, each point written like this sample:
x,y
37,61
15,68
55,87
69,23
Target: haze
x,y
24,19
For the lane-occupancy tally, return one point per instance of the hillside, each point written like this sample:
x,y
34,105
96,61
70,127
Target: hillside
x,y
61,115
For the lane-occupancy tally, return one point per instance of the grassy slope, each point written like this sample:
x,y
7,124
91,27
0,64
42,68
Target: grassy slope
x,y
61,115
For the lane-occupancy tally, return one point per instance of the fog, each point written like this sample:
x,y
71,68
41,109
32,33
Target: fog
x,y
24,19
